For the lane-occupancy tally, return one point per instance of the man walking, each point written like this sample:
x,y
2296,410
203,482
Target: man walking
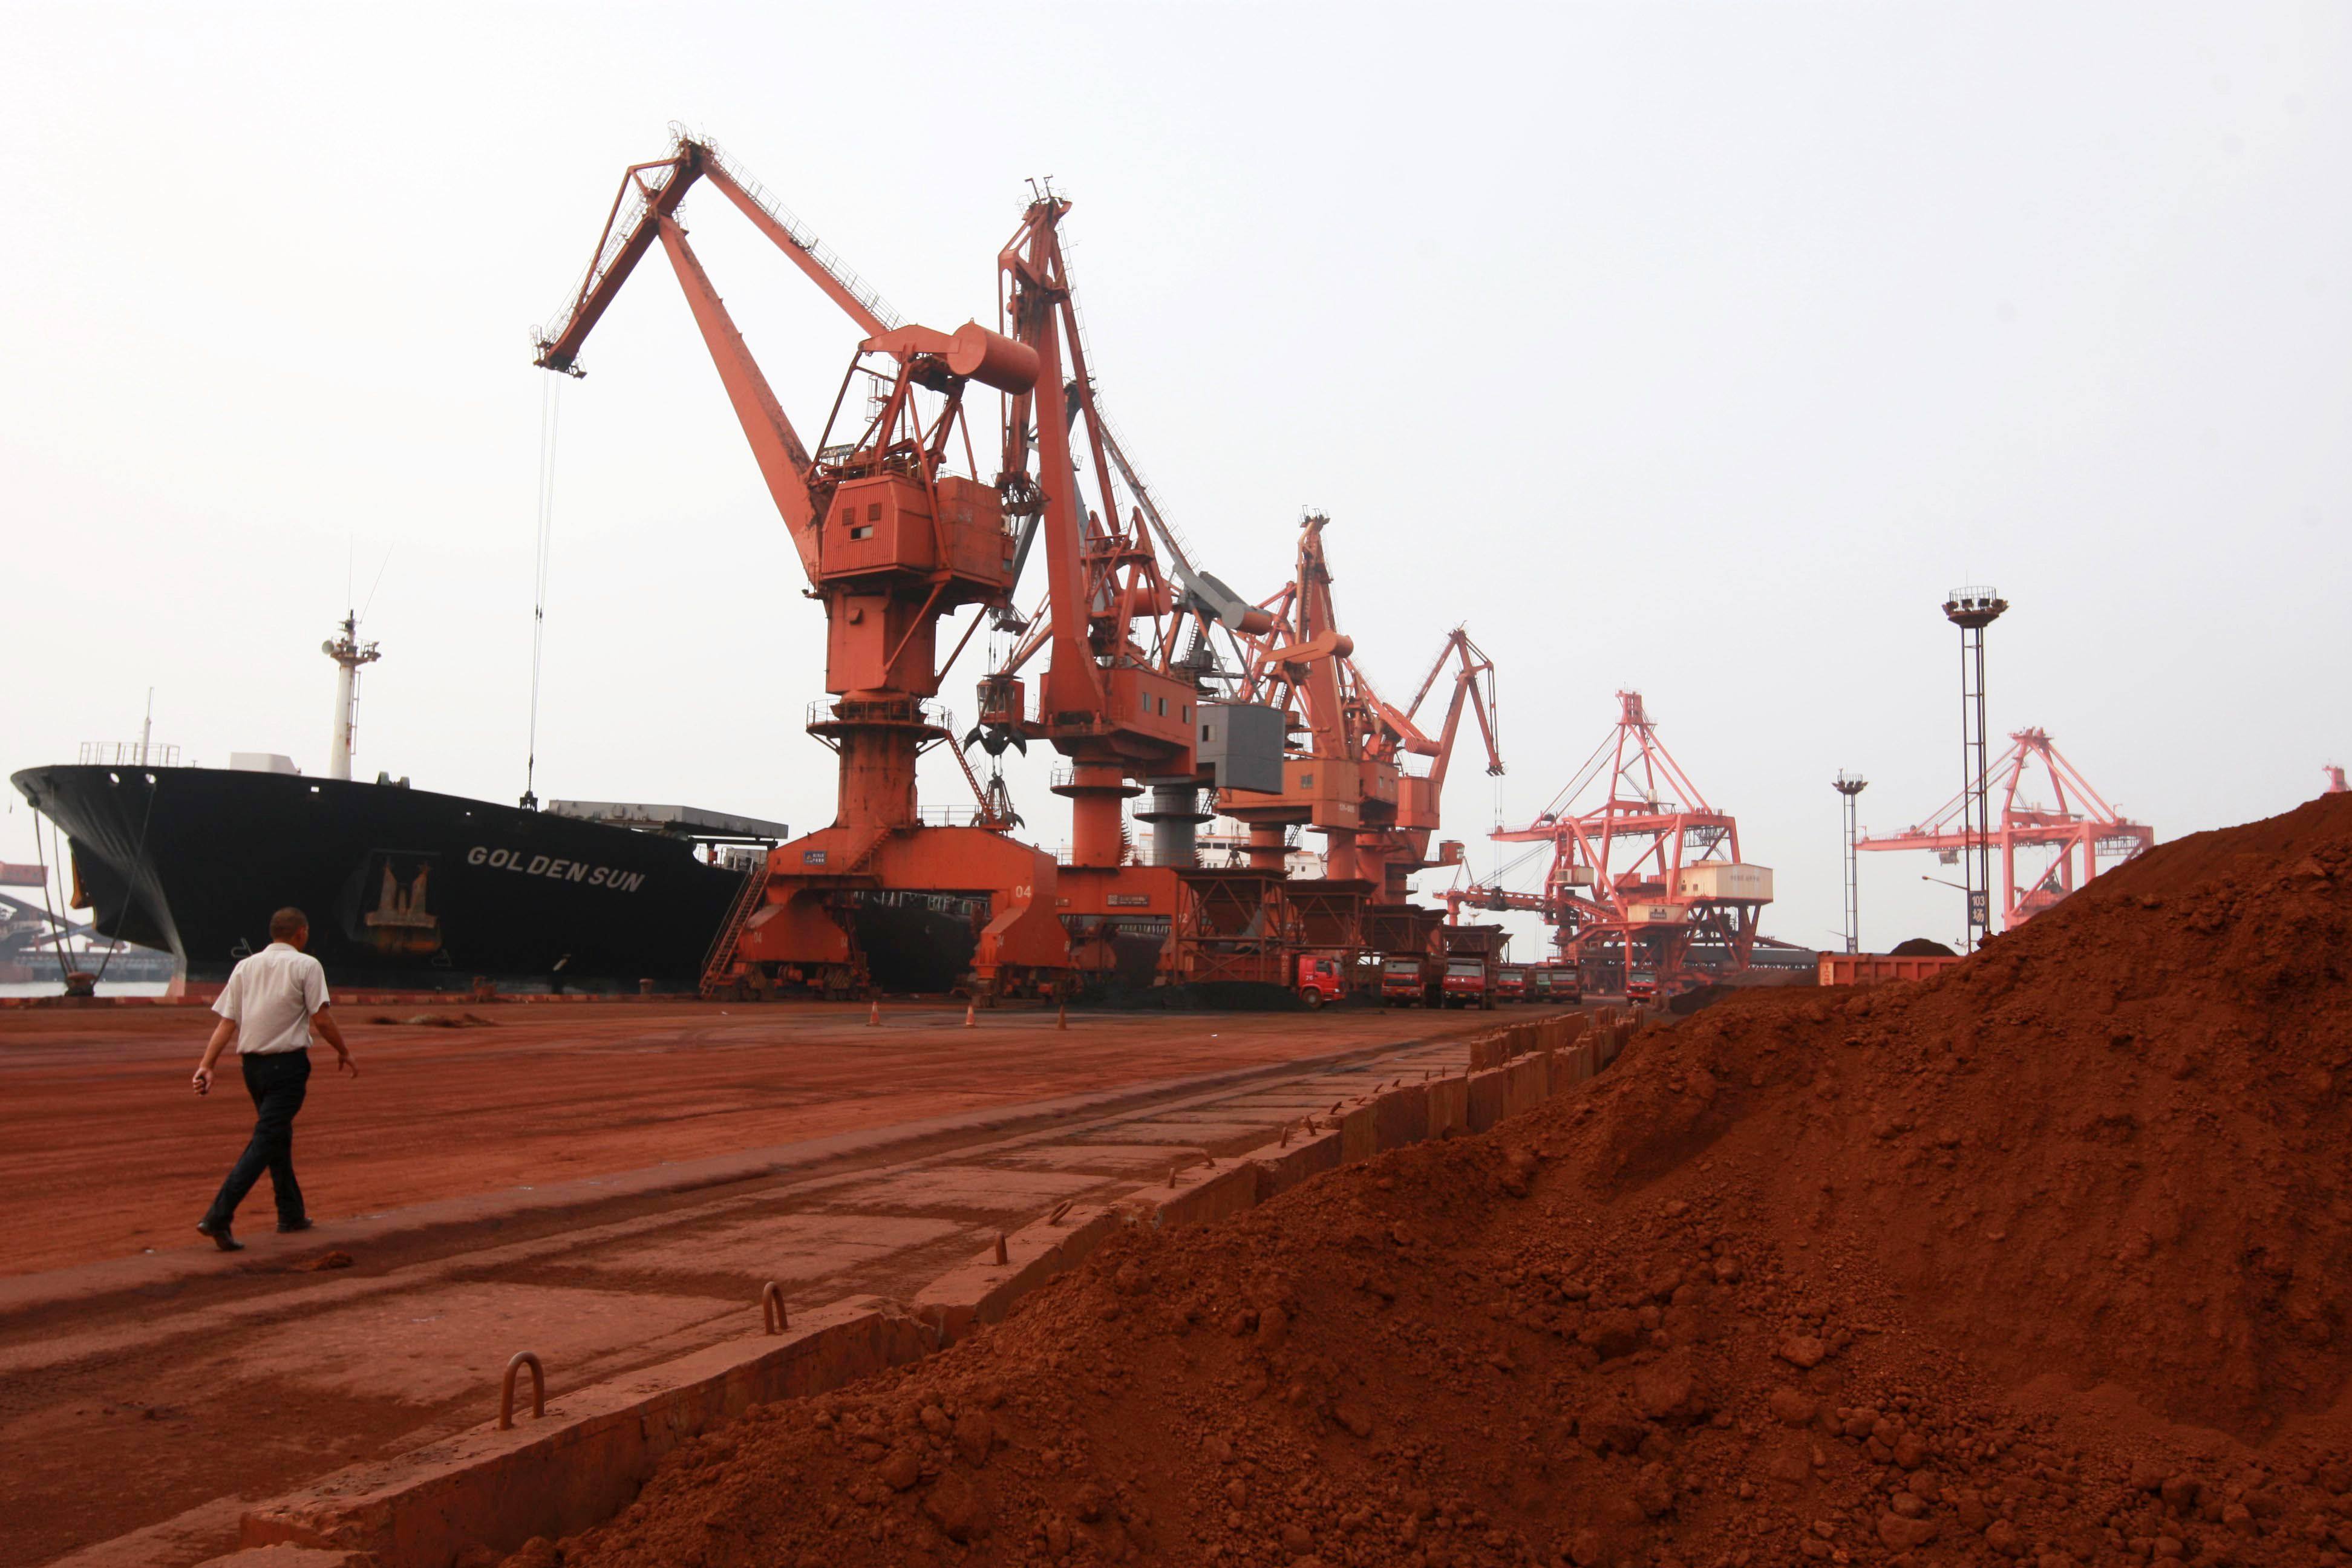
x,y
273,1001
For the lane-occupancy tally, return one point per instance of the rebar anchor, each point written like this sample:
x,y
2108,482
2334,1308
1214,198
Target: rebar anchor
x,y
538,1389
771,1308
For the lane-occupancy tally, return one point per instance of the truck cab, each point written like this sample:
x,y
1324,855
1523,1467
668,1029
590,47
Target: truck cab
x,y
1558,984
1511,983
1322,978
1403,982
1465,984
1641,985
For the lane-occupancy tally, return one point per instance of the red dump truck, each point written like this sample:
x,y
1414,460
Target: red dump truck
x,y
1557,984
1511,983
1322,978
1469,982
1870,968
1404,981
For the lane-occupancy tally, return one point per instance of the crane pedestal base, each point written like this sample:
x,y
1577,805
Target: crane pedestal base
x,y
846,907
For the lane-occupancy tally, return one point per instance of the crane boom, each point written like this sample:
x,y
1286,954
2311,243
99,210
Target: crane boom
x,y
776,446
1480,702
645,198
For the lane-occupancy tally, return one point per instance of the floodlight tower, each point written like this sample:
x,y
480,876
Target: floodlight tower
x,y
1850,785
1972,609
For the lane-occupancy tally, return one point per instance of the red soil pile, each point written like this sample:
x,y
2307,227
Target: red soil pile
x,y
2045,1261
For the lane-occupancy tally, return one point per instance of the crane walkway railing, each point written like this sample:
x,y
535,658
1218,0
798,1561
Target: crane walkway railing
x,y
823,255
629,216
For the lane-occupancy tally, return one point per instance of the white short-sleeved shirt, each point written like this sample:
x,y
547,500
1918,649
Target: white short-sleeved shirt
x,y
271,997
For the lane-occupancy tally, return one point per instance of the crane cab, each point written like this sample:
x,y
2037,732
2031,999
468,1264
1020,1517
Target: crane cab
x,y
887,524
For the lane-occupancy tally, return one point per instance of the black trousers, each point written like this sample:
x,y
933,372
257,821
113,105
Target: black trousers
x,y
277,1083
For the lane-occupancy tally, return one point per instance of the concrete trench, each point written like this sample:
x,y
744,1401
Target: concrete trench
x,y
598,1444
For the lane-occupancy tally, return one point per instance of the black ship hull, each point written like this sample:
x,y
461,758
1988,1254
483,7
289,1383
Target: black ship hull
x,y
405,889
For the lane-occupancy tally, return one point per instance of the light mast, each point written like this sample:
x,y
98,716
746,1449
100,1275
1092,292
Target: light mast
x,y
1850,785
348,653
1972,609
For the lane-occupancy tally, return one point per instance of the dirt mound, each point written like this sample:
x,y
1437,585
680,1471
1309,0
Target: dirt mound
x,y
2045,1260
1921,947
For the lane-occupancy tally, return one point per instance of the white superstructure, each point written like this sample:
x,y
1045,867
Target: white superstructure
x,y
349,654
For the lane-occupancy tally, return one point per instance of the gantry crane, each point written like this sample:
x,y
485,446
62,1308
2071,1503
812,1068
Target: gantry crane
x,y
892,542
2078,826
1644,888
1346,778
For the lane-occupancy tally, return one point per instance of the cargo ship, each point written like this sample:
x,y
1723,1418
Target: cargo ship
x,y
405,889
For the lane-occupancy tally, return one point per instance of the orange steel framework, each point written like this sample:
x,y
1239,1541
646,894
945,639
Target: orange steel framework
x,y
1349,781
892,541
1124,694
1644,889
2079,825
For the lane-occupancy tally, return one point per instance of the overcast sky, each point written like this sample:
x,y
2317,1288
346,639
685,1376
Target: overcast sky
x,y
1691,349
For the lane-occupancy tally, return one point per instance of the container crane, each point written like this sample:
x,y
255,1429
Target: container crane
x,y
1644,889
2078,826
891,543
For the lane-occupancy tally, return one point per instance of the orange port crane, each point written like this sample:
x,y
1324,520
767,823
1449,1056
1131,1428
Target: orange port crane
x,y
2078,826
892,542
1644,889
1348,781
1125,694
1111,698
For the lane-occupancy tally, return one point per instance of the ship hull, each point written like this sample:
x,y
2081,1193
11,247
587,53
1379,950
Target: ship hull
x,y
404,889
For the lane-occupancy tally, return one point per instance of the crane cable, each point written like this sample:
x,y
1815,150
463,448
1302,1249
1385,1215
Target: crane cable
x,y
549,408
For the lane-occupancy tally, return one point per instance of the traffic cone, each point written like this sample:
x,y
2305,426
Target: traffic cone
x,y
874,1014
971,1021
1062,1016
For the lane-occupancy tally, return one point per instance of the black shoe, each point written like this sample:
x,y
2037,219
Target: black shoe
x,y
288,1227
220,1234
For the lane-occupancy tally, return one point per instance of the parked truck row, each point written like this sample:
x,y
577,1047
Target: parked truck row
x,y
1439,980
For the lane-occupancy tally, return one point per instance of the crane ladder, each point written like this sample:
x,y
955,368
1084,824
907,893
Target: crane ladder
x,y
721,956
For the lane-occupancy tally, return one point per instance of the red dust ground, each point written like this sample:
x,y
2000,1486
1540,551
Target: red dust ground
x,y
109,1151
2045,1261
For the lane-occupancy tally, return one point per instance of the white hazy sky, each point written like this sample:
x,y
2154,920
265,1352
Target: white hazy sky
x,y
1694,349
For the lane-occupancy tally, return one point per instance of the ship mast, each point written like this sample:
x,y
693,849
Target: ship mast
x,y
348,653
